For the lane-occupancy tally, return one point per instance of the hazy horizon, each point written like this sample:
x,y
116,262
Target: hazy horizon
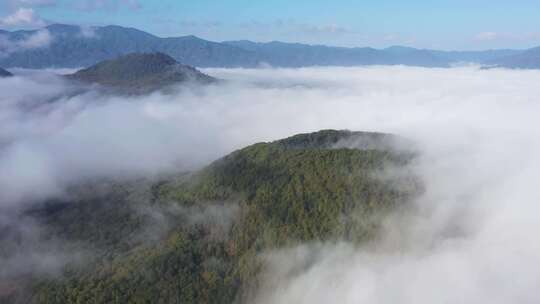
x,y
420,24
281,41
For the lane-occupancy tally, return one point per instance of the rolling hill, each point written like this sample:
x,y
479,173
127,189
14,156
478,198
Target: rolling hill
x,y
140,73
200,237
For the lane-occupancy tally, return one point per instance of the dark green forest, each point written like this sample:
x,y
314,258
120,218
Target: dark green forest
x,y
140,73
198,237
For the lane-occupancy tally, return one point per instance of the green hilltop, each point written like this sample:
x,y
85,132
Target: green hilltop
x,y
140,73
199,237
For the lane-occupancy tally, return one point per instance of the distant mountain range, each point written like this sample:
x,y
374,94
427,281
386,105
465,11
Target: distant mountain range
x,y
298,55
529,59
72,46
140,73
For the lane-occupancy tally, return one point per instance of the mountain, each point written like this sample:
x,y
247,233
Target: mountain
x,y
200,237
416,57
530,59
73,47
300,55
4,73
477,57
140,73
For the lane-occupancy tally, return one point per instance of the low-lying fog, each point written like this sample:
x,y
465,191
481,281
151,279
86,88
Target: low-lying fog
x,y
473,238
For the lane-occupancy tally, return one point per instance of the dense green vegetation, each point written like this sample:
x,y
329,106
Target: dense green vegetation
x,y
140,73
198,238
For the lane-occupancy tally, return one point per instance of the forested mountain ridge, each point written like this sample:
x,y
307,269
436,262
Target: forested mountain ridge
x,y
529,59
200,237
74,47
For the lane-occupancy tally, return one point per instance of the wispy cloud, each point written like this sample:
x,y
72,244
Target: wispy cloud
x,y
31,3
323,29
504,36
39,39
93,5
478,131
22,17
304,28
88,32
279,25
486,36
194,23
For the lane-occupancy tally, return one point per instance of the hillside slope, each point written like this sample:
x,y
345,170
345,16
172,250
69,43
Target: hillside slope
x,y
140,73
200,237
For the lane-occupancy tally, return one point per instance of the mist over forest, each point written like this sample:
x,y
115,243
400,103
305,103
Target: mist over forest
x,y
203,186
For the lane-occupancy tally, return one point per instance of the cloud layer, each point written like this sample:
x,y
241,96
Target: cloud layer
x,y
472,235
22,17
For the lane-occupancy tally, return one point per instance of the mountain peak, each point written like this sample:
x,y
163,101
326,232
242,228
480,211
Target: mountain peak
x,y
134,65
158,59
191,37
140,73
336,139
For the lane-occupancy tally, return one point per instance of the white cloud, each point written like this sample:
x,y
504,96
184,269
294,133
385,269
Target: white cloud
x,y
41,38
487,36
509,37
304,28
92,5
22,17
88,32
38,39
473,239
31,3
328,29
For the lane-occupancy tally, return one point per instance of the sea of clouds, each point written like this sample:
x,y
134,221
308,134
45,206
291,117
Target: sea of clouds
x,y
471,239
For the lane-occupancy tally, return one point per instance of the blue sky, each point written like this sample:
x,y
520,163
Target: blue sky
x,y
442,24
